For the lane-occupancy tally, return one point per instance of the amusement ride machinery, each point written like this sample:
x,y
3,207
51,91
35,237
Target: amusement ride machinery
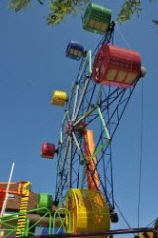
x,y
84,204
93,109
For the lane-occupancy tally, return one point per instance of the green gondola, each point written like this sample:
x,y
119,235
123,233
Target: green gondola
x,y
96,18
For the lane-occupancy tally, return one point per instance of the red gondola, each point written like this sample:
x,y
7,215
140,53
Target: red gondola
x,y
116,66
48,150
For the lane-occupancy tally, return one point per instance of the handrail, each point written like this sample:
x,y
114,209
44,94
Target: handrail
x,y
109,232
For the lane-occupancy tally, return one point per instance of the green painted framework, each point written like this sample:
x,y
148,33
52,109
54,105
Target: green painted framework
x,y
9,229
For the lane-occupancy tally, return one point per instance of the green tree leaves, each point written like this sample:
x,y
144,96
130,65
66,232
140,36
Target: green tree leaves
x,y
17,5
129,8
59,9
155,22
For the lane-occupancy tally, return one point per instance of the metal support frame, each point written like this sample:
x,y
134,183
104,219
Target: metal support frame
x,y
110,232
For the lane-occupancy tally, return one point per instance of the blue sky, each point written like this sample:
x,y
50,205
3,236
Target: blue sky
x,y
33,65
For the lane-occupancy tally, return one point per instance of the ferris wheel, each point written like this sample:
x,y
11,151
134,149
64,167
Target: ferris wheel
x,y
93,110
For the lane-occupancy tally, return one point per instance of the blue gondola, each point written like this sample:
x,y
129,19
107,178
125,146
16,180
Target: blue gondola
x,y
74,50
